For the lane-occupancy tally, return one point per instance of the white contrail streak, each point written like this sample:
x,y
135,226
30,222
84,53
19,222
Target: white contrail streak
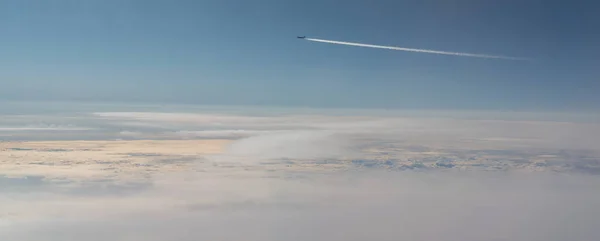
x,y
415,50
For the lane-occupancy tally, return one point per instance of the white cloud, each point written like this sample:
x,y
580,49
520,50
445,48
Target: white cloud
x,y
42,128
293,144
352,206
251,201
217,134
515,133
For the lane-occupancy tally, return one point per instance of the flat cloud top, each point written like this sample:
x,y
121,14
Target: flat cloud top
x,y
130,175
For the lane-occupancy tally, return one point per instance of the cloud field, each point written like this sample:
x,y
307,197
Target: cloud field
x,y
233,174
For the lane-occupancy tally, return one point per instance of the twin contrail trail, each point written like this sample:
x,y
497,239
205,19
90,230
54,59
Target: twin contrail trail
x,y
416,50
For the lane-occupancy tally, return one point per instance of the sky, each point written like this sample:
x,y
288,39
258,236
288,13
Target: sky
x,y
209,119
246,53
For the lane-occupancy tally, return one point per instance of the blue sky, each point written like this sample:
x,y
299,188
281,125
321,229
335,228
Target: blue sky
x,y
245,53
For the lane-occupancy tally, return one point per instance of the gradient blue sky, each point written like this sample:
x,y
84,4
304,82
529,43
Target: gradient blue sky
x,y
246,53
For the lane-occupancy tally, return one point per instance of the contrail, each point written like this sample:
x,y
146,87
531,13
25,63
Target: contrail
x,y
416,50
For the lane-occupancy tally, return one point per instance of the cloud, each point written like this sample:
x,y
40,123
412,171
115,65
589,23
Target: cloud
x,y
30,128
348,139
216,134
417,129
303,176
292,144
344,206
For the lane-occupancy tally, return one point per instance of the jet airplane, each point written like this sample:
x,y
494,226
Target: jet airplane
x,y
301,37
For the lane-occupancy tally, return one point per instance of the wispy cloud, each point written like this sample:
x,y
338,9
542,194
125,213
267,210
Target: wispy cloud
x,y
41,128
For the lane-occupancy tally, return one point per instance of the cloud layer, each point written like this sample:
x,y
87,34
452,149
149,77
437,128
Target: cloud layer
x,y
293,175
352,206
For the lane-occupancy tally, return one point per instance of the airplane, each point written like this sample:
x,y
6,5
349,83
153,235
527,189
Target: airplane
x,y
301,37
